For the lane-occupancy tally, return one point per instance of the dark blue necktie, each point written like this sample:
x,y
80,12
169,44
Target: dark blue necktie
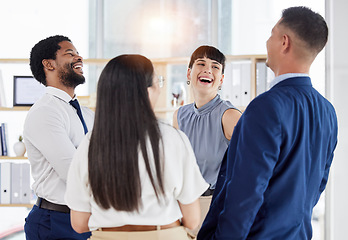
x,y
76,105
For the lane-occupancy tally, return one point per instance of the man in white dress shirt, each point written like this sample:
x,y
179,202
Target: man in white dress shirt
x,y
53,129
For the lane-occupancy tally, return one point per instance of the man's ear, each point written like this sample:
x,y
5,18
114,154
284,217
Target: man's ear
x,y
286,44
48,64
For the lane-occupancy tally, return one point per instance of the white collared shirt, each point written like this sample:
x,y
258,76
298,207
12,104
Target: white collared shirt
x,y
52,132
282,77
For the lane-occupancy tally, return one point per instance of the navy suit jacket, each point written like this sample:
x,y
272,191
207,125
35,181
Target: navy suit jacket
x,y
276,166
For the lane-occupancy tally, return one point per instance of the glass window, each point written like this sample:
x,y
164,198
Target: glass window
x,y
251,27
28,22
24,23
156,29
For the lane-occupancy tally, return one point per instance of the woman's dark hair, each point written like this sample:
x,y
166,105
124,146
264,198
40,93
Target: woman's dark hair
x,y
45,49
125,127
208,52
309,26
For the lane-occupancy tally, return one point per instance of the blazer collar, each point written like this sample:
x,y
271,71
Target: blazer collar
x,y
294,81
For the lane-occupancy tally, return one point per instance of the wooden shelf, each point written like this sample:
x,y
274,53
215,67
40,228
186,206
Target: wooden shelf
x,y
17,205
172,60
12,158
14,60
260,57
165,110
14,108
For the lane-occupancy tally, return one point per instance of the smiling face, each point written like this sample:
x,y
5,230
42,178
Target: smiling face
x,y
69,65
205,76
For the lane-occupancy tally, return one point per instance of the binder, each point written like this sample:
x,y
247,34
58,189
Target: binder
x,y
15,183
264,76
241,75
245,80
270,76
25,193
236,84
261,78
5,179
227,86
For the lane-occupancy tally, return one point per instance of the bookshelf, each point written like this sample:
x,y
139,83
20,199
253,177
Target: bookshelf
x,y
162,67
173,70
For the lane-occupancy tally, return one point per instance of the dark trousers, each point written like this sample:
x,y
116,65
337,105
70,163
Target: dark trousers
x,y
50,225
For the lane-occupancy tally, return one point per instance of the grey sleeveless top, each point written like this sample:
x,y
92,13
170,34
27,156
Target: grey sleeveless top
x,y
203,127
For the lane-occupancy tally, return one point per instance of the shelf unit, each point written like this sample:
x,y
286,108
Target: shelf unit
x,y
162,109
161,67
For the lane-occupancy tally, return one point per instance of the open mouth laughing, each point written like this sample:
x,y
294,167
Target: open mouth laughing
x,y
78,66
205,80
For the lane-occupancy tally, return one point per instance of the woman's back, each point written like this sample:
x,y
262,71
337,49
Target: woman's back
x,y
182,181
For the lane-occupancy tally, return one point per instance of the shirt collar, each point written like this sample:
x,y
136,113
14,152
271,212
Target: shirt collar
x,y
286,76
59,94
207,107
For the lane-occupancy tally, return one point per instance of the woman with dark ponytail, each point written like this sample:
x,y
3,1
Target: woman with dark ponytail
x,y
133,176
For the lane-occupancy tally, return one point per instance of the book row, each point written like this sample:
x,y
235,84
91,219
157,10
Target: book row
x,y
3,139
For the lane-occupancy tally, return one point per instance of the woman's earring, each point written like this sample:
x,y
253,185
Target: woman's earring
x,y
219,87
188,82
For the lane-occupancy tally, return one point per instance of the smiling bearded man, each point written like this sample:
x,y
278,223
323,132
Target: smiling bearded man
x,y
53,129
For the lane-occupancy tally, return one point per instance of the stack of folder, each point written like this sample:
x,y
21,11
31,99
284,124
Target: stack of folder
x,y
15,183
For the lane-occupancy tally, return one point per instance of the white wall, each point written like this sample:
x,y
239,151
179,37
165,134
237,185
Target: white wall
x,y
338,78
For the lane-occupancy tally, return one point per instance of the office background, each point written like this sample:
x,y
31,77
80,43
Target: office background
x,y
174,28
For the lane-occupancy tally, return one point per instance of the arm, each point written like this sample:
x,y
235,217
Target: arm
x,y
332,147
79,221
187,180
229,121
191,214
175,119
326,175
46,131
252,155
77,195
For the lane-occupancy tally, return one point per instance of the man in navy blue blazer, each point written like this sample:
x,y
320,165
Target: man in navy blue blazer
x,y
278,160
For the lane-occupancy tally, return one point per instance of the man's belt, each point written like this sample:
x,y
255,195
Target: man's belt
x,y
43,203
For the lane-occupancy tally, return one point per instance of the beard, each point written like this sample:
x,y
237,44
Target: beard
x,y
69,77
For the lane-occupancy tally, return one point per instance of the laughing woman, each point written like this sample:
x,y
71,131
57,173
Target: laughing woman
x,y
209,121
133,177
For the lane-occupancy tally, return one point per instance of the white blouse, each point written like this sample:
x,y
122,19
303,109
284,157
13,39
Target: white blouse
x,y
182,182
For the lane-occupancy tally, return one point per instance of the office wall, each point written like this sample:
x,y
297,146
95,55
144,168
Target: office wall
x,y
338,90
